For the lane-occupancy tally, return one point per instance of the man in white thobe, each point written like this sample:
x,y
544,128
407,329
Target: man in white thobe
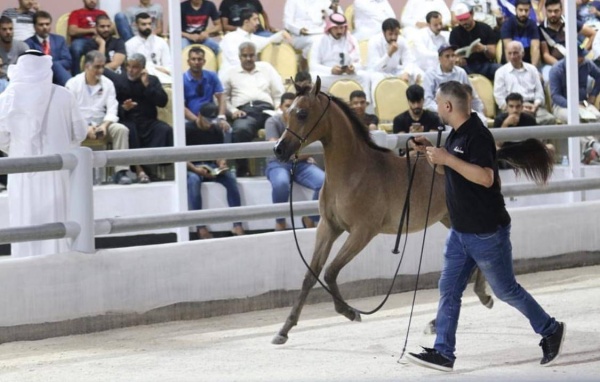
x,y
389,56
32,125
426,41
368,17
305,20
336,56
413,15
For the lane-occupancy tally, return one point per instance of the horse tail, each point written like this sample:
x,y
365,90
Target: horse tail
x,y
530,157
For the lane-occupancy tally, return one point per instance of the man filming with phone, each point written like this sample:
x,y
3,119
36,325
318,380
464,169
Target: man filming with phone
x,y
97,100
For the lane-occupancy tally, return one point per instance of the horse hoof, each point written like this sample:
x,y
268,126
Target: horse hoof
x,y
357,317
279,339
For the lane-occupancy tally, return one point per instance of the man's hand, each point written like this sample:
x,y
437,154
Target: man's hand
x,y
99,40
530,107
511,120
144,78
420,144
91,133
286,36
204,172
202,36
303,32
460,61
128,104
592,99
337,70
421,24
479,47
350,69
222,163
392,48
238,114
224,125
405,77
437,155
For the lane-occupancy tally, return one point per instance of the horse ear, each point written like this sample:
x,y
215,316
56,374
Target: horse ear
x,y
317,86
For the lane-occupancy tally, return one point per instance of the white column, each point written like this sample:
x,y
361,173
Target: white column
x,y
110,6
81,202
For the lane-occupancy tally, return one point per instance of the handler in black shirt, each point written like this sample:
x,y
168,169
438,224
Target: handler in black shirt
x,y
480,232
416,119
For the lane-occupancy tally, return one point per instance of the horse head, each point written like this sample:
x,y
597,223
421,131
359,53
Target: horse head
x,y
304,117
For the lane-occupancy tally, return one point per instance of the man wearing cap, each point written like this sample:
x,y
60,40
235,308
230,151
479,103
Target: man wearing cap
x,y
336,56
521,77
521,28
482,54
38,118
444,72
205,130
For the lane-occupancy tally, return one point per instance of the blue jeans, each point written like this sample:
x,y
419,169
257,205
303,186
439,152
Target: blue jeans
x,y
264,33
77,49
123,26
209,42
487,69
492,253
306,174
227,179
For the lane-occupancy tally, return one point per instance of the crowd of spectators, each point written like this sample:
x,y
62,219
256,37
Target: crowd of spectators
x,y
127,71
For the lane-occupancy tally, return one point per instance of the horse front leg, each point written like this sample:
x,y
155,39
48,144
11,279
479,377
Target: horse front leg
x,y
326,236
355,243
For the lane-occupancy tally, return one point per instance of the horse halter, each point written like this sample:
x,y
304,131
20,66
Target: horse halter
x,y
303,139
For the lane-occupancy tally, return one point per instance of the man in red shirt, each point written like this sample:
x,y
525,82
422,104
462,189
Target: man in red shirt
x,y
82,26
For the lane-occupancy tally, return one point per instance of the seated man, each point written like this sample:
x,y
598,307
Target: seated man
x,y
521,77
139,94
195,15
205,131
305,20
413,15
427,41
389,56
155,49
10,48
98,105
485,11
514,115
508,10
416,119
200,87
112,47
231,12
480,58
443,72
368,17
358,103
82,27
307,173
53,45
245,33
250,89
125,22
336,56
521,28
22,18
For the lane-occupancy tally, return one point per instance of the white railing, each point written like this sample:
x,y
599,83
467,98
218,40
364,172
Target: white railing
x,y
82,227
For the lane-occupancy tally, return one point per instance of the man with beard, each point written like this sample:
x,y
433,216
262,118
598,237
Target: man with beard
x,y
553,38
390,56
10,49
483,54
98,105
416,119
336,55
521,28
82,27
428,40
52,45
521,77
139,94
155,49
113,48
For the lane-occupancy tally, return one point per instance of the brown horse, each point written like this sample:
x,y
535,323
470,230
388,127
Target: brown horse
x,y
356,171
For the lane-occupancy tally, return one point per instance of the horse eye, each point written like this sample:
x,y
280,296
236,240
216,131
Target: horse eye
x,y
302,115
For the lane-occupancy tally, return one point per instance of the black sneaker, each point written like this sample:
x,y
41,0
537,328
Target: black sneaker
x,y
431,358
552,345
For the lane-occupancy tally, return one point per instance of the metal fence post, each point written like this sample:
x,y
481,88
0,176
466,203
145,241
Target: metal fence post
x,y
81,202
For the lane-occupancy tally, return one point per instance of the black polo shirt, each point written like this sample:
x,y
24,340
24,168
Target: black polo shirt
x,y
474,208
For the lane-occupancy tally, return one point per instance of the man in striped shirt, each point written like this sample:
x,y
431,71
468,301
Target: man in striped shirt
x,y
22,18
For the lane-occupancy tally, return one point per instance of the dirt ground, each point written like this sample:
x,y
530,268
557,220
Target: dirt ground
x,y
493,345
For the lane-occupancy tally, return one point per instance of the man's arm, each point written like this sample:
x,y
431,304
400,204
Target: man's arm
x,y
590,33
483,176
63,56
546,56
188,114
556,79
595,74
221,102
534,51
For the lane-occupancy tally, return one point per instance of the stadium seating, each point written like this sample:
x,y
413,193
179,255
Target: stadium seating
x,y
209,57
61,26
390,100
485,90
283,59
349,14
363,46
343,88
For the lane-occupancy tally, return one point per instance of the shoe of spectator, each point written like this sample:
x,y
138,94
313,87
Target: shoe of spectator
x,y
2,187
121,178
589,155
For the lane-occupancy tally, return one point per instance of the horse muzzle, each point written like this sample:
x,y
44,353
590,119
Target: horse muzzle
x,y
284,149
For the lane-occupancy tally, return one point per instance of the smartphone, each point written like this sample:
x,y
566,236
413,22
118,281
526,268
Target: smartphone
x,y
416,127
344,68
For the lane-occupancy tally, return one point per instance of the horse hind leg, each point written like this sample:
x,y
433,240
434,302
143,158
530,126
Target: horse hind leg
x,y
480,289
354,244
326,236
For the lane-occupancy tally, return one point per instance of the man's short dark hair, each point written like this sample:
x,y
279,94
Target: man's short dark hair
x,y
390,24
522,2
41,15
5,20
553,2
468,89
246,15
142,16
432,15
286,96
102,17
456,90
357,94
197,50
302,77
514,97
415,93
